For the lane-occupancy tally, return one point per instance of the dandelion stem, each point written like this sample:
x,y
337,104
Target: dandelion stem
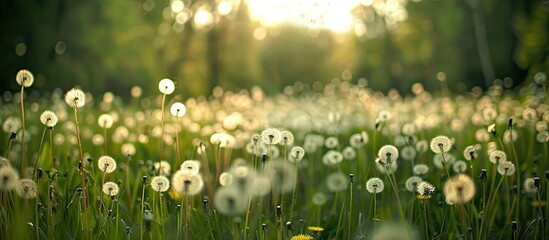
x,y
161,133
340,216
142,211
82,172
349,216
39,152
425,224
23,160
177,146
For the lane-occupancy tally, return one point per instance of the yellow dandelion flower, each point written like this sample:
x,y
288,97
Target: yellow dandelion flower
x,y
315,229
302,237
422,197
538,203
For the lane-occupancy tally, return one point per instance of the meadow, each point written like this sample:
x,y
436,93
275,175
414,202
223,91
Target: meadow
x,y
332,161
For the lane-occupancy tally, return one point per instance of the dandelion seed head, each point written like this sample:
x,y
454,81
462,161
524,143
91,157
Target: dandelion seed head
x,y
438,160
4,162
48,118
349,153
459,166
178,109
27,189
459,189
105,121
225,179
542,137
287,138
160,184
24,78
271,136
166,86
106,164
374,185
128,149
331,142
187,184
491,128
163,167
8,178
337,181
191,167
296,154
540,78
408,152
425,189
332,157
422,146
358,140
260,186
510,135
497,157
75,98
412,183
384,115
387,168
388,154
319,198
469,153
506,168
110,188
441,144
282,176
230,201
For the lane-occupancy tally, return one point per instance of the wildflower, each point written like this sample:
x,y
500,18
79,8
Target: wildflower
x,y
492,129
540,78
190,167
358,140
412,183
178,109
459,189
110,188
425,189
408,153
163,167
420,169
4,162
422,146
498,157
24,78
459,166
469,153
106,164
128,149
315,229
529,185
48,118
187,184
287,138
282,176
302,237
160,184
388,154
438,160
331,142
374,185
510,135
75,98
271,136
225,179
166,86
319,198
506,168
384,115
8,178
336,182
230,201
332,157
441,144
296,154
260,186
105,121
385,168
27,189
349,153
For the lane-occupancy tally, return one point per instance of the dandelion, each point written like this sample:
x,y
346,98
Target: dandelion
x,y
287,138
388,154
282,176
374,185
178,110
48,118
8,178
319,198
386,168
128,149
260,186
315,229
412,183
349,153
332,157
469,153
271,136
166,86
191,167
302,237
187,184
420,169
492,129
506,168
75,98
26,189
498,157
105,121
163,167
358,140
510,135
331,142
230,201
225,179
336,182
106,164
160,184
24,78
296,154
459,189
459,166
540,78
4,162
441,144
422,146
110,188
384,115
425,189
408,153
439,160
529,186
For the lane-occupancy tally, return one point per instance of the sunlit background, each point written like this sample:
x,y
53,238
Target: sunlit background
x,y
114,45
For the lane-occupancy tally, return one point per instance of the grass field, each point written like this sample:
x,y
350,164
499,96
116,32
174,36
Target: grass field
x,y
338,162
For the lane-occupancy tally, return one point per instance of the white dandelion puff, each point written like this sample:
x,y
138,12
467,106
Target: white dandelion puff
x,y
425,189
8,178
106,164
24,78
287,138
163,167
506,168
498,156
412,183
111,188
388,154
375,185
166,86
459,189
191,167
48,118
105,121
178,109
296,154
441,144
75,98
160,184
337,181
187,184
27,189
271,136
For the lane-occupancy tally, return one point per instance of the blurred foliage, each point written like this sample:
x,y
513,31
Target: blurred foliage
x,y
114,45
